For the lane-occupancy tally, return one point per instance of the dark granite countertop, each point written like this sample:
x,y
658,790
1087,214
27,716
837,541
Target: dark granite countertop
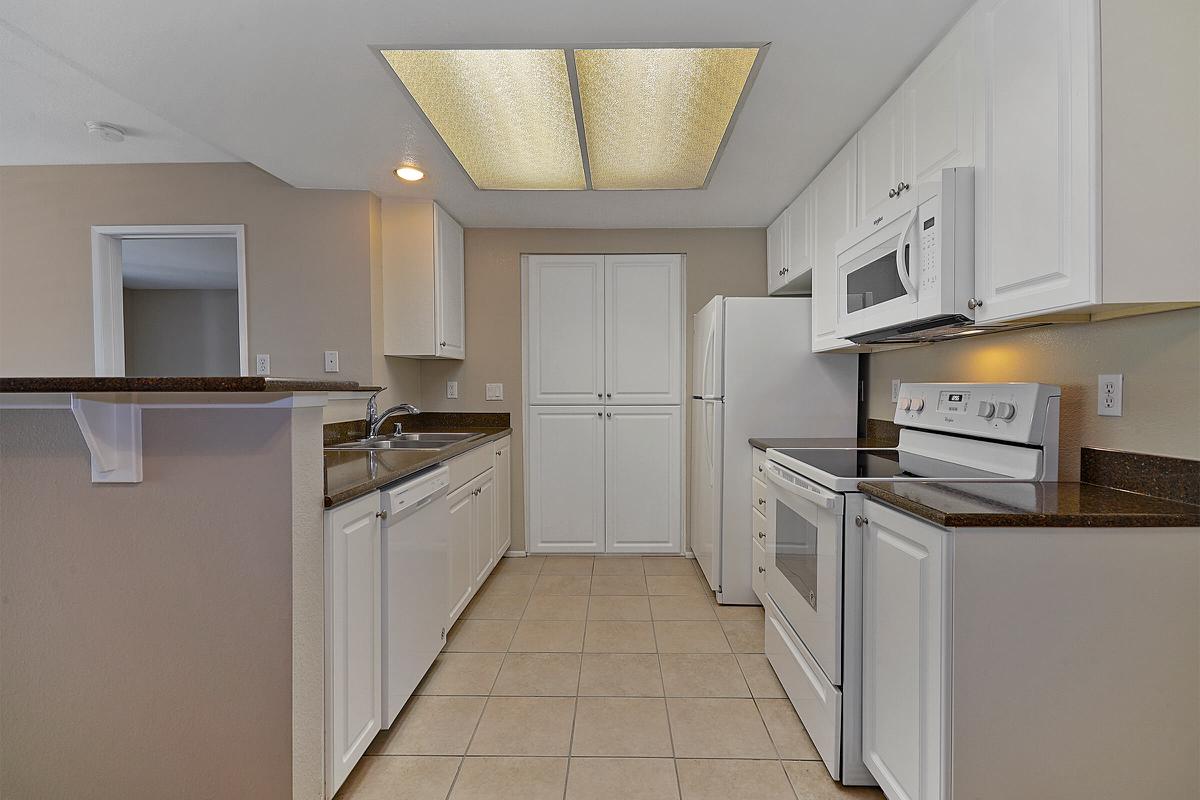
x,y
836,443
353,473
1031,504
243,383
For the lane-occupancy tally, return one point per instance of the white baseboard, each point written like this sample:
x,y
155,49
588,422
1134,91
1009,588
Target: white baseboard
x,y
515,554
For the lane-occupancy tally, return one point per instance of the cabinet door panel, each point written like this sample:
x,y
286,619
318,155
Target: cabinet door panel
x,y
643,329
483,527
566,478
462,577
940,98
1037,176
503,504
643,487
451,316
565,318
882,159
835,209
353,645
904,639
776,252
798,262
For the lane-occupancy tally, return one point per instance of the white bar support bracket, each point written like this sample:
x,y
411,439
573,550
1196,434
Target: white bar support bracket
x,y
112,428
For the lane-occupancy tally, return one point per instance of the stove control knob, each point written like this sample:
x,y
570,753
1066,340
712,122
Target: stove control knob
x,y
1006,411
918,403
987,410
904,404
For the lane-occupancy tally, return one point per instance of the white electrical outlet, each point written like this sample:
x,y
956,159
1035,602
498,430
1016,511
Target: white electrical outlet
x,y
331,360
451,390
1108,398
262,364
895,390
494,391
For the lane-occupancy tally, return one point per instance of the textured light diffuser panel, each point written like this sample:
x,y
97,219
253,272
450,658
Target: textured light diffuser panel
x,y
507,115
654,118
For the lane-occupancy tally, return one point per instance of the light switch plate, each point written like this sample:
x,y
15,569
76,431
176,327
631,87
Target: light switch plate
x,y
262,364
1108,397
451,390
331,360
494,391
895,390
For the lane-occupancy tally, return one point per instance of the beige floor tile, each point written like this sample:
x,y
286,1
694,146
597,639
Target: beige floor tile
x,y
548,636
618,584
509,584
410,777
729,779
760,675
524,726
621,726
538,675
623,778
668,565
496,606
674,584
718,728
811,781
787,732
608,636
681,607
523,778
744,637
568,565
461,673
630,609
740,614
690,637
557,606
480,636
527,565
620,675
563,584
618,565
439,726
702,675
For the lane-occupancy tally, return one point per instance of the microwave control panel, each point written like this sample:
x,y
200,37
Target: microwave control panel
x,y
929,251
1015,412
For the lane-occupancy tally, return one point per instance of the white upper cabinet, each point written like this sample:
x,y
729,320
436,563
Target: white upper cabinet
x,y
835,212
643,302
940,106
1037,191
790,248
643,503
424,314
884,169
777,233
565,329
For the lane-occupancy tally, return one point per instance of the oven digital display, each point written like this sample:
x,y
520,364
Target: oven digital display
x,y
953,402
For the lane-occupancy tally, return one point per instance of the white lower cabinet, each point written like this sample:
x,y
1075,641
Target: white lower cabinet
x,y
461,582
906,680
353,643
483,527
502,464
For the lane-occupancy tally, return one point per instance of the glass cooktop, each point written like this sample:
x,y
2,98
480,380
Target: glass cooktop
x,y
884,464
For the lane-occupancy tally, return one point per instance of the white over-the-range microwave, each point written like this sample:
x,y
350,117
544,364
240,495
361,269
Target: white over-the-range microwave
x,y
909,275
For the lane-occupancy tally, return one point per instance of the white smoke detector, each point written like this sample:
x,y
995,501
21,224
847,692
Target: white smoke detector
x,y
106,131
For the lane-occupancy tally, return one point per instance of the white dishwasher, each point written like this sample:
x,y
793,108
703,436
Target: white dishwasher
x,y
415,571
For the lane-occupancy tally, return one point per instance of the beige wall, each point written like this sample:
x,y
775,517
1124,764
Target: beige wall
x,y
1159,355
729,261
308,259
181,332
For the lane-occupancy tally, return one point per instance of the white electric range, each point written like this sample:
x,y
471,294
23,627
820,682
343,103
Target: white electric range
x,y
994,432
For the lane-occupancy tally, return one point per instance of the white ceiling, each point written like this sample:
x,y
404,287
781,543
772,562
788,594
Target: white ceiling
x,y
193,263
300,90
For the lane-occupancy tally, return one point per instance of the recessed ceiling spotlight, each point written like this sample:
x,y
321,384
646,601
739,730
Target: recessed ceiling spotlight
x,y
409,173
106,131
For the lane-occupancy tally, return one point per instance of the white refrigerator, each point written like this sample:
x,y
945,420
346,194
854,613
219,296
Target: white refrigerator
x,y
753,375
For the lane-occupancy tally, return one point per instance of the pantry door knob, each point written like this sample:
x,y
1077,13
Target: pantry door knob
x,y
974,304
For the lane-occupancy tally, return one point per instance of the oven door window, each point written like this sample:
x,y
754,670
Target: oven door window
x,y
796,551
874,283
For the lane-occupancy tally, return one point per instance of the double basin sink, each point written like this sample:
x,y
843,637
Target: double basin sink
x,y
406,441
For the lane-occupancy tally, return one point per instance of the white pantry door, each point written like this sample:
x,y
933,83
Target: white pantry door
x,y
565,329
566,478
643,329
643,483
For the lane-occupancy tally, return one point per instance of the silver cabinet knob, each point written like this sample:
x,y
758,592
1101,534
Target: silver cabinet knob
x,y
610,415
443,344
762,535
608,394
762,569
599,413
974,304
599,394
381,514
892,192
762,501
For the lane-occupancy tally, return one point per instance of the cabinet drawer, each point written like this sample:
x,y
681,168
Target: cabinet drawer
x,y
470,464
758,460
759,501
759,577
758,529
816,700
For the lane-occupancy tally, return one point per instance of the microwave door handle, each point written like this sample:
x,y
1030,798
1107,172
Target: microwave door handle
x,y
813,496
901,267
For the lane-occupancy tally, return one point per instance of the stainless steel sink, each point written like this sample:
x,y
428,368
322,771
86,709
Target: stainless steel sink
x,y
406,441
436,437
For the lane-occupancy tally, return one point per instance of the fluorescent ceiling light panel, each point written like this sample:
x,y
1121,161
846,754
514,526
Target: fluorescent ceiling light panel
x,y
507,115
654,118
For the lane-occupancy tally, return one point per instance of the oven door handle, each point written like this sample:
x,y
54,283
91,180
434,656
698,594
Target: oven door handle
x,y
796,486
902,269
